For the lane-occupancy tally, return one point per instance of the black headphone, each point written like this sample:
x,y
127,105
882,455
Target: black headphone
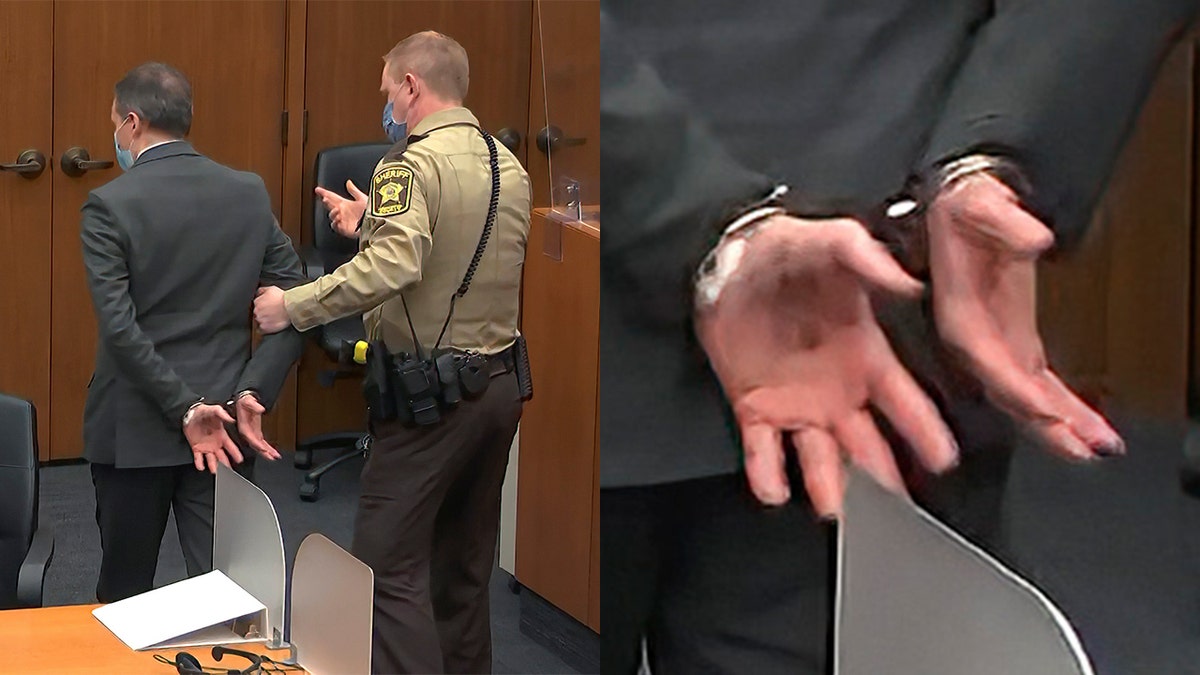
x,y
186,664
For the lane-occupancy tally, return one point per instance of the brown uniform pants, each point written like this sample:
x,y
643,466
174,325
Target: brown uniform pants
x,y
426,525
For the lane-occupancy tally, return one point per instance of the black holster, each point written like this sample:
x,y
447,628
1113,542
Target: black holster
x,y
416,391
520,357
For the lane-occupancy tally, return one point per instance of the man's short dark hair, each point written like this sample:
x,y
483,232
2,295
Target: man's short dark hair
x,y
159,94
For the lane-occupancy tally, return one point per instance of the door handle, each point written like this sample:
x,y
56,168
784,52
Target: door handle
x,y
29,164
509,138
551,138
76,161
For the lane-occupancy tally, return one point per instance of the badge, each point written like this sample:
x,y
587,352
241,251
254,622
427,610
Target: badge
x,y
390,190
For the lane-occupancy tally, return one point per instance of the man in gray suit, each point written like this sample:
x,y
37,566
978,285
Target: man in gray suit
x,y
175,249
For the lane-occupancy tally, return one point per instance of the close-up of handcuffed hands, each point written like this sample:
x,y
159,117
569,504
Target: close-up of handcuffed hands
x,y
789,329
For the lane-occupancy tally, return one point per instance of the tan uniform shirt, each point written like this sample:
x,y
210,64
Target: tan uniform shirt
x,y
427,210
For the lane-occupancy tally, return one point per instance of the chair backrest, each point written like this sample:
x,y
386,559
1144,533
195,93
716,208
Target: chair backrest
x,y
333,167
18,489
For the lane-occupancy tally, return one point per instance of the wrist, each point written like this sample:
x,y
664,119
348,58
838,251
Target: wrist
x,y
950,174
720,262
243,394
191,412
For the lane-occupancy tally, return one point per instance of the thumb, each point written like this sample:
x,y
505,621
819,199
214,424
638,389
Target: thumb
x,y
870,260
354,191
251,404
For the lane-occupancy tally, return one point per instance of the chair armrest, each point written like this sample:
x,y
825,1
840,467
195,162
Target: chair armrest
x,y
313,261
32,576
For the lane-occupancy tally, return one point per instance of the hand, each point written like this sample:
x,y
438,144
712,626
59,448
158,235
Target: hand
x,y
344,214
983,251
796,347
249,424
270,311
210,441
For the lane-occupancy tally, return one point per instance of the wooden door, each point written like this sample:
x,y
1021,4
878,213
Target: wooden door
x,y
26,107
565,90
233,54
343,61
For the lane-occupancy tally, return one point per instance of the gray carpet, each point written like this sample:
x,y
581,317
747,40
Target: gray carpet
x,y
1117,546
68,503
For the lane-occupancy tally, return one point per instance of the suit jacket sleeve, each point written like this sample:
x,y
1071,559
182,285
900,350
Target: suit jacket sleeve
x,y
673,186
1056,85
105,247
268,368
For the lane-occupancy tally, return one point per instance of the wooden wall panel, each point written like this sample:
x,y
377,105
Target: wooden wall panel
x,y
1115,312
556,493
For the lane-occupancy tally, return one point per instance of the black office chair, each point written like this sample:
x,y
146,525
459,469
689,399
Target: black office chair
x,y
334,166
25,549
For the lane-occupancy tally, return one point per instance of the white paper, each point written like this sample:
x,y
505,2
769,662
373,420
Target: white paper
x,y
154,617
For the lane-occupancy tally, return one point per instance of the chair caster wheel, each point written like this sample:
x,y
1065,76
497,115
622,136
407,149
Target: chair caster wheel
x,y
303,459
310,492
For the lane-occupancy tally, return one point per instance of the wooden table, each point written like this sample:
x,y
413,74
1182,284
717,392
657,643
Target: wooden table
x,y
62,640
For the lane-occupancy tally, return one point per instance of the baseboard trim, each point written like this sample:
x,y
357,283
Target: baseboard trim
x,y
559,632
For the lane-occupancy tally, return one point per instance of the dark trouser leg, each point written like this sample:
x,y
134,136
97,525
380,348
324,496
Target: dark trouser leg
x,y
131,510
403,487
632,543
464,543
193,504
393,531
747,590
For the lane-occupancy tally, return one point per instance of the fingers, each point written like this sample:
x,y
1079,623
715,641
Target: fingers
x,y
764,460
231,449
223,414
861,440
821,464
870,260
901,399
358,195
212,463
261,290
329,198
1057,436
1010,385
262,447
1089,425
252,433
198,460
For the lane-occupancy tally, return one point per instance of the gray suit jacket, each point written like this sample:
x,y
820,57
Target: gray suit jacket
x,y
175,250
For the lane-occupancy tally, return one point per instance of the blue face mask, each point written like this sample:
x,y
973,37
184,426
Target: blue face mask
x,y
124,157
396,131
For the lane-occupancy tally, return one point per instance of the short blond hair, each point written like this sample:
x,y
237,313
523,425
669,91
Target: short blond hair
x,y
438,59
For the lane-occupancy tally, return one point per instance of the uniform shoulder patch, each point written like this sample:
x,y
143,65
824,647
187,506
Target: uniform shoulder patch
x,y
391,190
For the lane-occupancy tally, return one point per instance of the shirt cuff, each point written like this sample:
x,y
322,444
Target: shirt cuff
x,y
303,308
